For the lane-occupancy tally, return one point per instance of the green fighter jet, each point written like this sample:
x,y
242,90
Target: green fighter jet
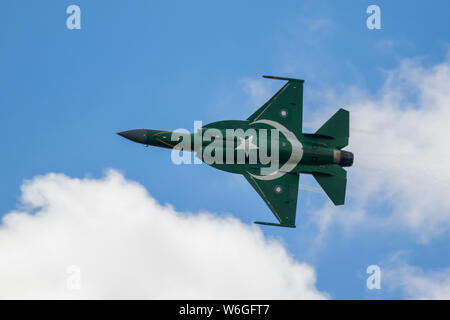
x,y
269,149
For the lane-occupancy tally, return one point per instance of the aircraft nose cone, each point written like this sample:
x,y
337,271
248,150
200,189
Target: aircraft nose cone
x,y
136,135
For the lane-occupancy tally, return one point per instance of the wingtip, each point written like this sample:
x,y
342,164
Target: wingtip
x,y
283,78
274,224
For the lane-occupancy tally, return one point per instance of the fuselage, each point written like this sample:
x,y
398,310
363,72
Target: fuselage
x,y
235,145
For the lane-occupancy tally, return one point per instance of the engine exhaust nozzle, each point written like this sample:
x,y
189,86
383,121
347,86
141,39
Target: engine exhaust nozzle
x,y
343,158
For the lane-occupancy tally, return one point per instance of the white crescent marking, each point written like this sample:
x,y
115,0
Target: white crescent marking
x,y
296,154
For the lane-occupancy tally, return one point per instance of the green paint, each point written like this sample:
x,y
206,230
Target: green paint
x,y
274,131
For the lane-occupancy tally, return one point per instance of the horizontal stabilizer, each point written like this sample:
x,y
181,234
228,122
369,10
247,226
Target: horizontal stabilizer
x,y
337,128
334,183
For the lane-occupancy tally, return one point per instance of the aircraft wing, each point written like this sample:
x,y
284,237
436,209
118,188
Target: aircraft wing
x,y
280,195
285,107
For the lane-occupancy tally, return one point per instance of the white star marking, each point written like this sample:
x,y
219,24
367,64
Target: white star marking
x,y
247,145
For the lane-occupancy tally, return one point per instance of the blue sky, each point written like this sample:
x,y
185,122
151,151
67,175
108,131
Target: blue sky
x,y
146,64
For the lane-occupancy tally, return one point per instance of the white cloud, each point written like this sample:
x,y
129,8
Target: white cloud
x,y
321,25
414,282
129,246
417,284
401,161
259,91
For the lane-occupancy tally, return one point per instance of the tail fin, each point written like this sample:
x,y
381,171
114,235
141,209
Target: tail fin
x,y
337,128
333,180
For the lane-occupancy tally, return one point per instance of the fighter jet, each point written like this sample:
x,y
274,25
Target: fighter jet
x,y
269,149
